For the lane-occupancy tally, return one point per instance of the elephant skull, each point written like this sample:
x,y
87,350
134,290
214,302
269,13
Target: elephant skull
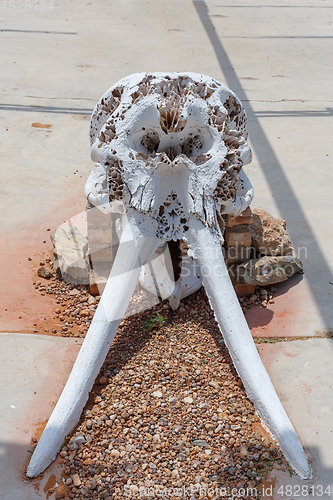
x,y
169,150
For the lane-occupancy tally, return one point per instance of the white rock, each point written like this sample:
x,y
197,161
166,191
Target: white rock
x,y
156,438
68,248
80,439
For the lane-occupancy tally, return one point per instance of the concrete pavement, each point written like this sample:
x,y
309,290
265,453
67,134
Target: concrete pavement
x,y
57,62
303,378
33,372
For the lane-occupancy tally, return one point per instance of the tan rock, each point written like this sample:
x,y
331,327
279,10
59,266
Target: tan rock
x,y
210,427
269,235
84,313
243,450
76,480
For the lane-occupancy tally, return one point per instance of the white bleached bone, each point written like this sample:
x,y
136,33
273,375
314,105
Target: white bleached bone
x,y
242,349
136,247
157,277
169,150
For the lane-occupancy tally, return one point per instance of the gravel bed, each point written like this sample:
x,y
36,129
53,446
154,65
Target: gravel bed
x,y
75,306
167,410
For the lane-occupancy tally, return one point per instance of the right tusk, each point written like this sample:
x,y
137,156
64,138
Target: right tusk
x,y
238,339
134,250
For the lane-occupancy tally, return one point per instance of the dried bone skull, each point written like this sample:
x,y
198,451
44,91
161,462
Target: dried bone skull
x,y
165,145
169,150
170,146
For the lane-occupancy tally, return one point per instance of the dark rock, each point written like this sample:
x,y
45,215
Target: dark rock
x,y
93,484
200,442
44,273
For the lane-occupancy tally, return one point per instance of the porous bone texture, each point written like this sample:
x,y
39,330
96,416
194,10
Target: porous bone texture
x,y
171,145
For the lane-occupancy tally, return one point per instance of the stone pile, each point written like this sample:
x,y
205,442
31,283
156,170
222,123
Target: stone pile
x,y
258,251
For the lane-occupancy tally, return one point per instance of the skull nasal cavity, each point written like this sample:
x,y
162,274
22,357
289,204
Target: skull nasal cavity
x,y
176,257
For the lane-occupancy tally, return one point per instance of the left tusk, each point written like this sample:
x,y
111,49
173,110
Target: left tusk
x,y
259,388
135,249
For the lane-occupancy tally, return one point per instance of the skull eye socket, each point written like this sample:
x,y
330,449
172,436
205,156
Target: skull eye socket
x,y
150,142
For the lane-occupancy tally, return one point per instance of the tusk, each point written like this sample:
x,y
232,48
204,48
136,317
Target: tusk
x,y
135,249
259,388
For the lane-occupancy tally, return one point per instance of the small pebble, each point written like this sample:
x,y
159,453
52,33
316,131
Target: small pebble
x,y
76,480
115,453
44,273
